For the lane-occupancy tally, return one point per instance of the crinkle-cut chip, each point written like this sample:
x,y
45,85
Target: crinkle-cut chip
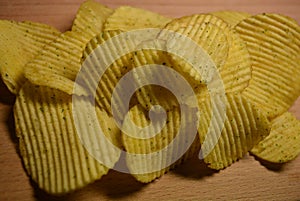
x,y
231,17
52,152
57,65
102,71
156,52
20,43
150,66
96,41
207,31
236,72
283,143
159,92
90,18
151,95
273,42
244,126
149,151
126,18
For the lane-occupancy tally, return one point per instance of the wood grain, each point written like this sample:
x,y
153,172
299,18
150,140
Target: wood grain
x,y
248,179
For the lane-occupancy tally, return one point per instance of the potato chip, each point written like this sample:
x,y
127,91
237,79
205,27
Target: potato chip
x,y
157,93
126,18
244,126
52,152
57,66
158,83
236,68
151,95
149,153
236,72
58,63
207,31
273,42
154,94
21,42
90,18
283,143
231,17
101,76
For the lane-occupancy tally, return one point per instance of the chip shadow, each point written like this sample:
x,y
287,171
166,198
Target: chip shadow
x,y
276,167
194,168
117,185
6,96
114,186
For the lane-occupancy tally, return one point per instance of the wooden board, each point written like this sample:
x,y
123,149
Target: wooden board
x,y
247,179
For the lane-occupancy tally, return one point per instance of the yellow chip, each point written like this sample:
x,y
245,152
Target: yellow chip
x,y
231,17
126,18
151,95
159,83
21,42
90,18
49,142
236,72
244,126
273,42
209,32
157,93
234,64
149,153
283,143
57,65
104,84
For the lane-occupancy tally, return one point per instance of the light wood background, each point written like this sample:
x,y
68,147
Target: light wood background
x,y
247,179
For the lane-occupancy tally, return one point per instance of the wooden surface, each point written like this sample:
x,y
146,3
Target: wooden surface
x,y
247,179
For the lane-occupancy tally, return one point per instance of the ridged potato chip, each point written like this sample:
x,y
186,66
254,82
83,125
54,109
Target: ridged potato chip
x,y
207,31
126,18
244,126
100,76
283,143
58,64
273,42
231,17
236,72
157,93
90,18
20,43
158,82
52,153
149,153
234,65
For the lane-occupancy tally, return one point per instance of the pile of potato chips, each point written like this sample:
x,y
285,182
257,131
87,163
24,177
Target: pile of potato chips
x,y
257,58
